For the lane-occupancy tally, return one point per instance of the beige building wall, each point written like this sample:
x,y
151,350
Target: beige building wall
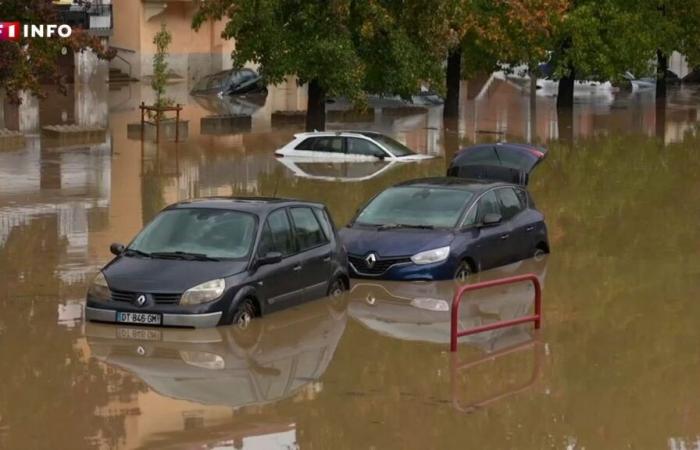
x,y
192,54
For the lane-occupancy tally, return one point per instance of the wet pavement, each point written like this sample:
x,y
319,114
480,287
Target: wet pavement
x,y
614,366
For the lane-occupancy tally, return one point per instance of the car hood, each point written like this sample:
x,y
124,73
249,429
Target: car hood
x,y
391,243
138,274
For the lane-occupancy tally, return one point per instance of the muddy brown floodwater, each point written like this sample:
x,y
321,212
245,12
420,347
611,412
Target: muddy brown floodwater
x,y
616,364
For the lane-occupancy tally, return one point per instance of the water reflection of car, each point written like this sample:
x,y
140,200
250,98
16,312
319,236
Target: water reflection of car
x,y
420,311
338,171
240,105
219,261
229,82
273,359
443,228
347,145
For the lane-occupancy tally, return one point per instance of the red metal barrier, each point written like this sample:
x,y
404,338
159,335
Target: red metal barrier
x,y
536,317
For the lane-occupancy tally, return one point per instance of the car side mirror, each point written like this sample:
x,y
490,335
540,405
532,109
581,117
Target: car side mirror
x,y
270,258
491,219
117,249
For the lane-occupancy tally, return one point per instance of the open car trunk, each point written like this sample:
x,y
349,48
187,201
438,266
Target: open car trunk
x,y
511,163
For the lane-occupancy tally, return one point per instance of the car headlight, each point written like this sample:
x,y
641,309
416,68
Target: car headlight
x,y
99,289
431,256
202,293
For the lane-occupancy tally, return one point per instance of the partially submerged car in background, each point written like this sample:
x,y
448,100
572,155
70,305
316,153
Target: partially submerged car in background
x,y
213,261
230,82
509,162
441,228
329,146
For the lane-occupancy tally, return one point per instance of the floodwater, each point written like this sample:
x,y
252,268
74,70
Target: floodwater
x,y
615,365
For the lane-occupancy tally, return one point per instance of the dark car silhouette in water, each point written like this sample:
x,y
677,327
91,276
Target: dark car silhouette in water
x,y
449,227
216,261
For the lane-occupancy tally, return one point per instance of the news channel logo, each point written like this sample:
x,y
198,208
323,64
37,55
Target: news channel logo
x,y
14,31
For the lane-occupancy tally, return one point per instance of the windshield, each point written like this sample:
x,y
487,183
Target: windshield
x,y
216,233
394,146
415,206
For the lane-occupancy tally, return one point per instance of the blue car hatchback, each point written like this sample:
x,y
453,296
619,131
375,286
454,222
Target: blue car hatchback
x,y
443,228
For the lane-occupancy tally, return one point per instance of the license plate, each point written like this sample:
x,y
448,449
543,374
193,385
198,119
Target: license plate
x,y
142,334
142,318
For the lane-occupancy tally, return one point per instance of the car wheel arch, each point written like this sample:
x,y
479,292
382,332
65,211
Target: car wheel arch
x,y
242,294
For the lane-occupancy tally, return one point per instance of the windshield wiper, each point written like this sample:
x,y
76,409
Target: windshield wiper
x,y
133,251
183,255
391,226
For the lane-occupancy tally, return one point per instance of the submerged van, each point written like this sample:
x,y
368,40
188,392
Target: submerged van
x,y
214,261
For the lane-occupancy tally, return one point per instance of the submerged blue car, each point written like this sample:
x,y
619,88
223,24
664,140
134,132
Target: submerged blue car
x,y
441,228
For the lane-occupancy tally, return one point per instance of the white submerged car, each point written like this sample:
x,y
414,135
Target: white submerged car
x,y
330,146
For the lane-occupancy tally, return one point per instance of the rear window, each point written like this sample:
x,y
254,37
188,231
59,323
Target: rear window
x,y
416,206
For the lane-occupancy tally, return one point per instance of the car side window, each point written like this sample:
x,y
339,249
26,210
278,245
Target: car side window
x,y
308,231
470,218
277,235
510,203
522,196
306,144
488,204
329,144
357,146
325,221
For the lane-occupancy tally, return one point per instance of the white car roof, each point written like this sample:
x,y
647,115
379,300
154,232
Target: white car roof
x,y
335,133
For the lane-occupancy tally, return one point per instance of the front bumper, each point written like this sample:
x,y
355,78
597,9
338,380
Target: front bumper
x,y
169,319
443,270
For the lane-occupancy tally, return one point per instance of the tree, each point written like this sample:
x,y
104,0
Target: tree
x,y
339,47
486,32
162,40
599,40
27,64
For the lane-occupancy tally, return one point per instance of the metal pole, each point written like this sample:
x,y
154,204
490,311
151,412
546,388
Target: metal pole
x,y
177,123
142,119
158,125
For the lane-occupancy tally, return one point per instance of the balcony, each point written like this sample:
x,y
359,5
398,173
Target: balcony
x,y
96,18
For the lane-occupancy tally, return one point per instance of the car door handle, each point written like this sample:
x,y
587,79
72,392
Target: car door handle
x,y
326,258
297,268
530,228
505,236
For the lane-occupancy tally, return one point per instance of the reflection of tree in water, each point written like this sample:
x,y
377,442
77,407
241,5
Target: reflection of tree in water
x,y
50,390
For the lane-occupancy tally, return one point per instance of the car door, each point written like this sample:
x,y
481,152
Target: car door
x,y
279,283
314,249
512,210
493,243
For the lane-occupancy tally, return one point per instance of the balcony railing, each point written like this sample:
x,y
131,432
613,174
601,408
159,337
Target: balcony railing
x,y
96,18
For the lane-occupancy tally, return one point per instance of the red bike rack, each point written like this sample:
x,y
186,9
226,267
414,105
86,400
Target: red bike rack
x,y
536,317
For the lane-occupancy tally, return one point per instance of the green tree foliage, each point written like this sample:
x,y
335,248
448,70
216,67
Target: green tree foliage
x,y
340,47
29,63
162,40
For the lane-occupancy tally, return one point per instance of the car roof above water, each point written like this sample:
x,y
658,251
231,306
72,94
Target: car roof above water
x,y
259,205
467,184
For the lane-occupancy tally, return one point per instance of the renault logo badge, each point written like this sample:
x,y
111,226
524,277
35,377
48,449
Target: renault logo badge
x,y
370,260
141,300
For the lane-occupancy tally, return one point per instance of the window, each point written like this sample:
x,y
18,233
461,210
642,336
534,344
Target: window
x,y
358,146
488,204
522,196
480,155
325,221
306,144
516,159
416,206
394,146
329,144
470,218
277,235
308,230
510,203
217,233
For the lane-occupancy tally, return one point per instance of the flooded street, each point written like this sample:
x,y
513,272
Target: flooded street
x,y
614,366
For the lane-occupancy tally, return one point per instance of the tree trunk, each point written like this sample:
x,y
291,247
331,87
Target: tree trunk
x,y
565,94
661,69
533,72
316,107
453,78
